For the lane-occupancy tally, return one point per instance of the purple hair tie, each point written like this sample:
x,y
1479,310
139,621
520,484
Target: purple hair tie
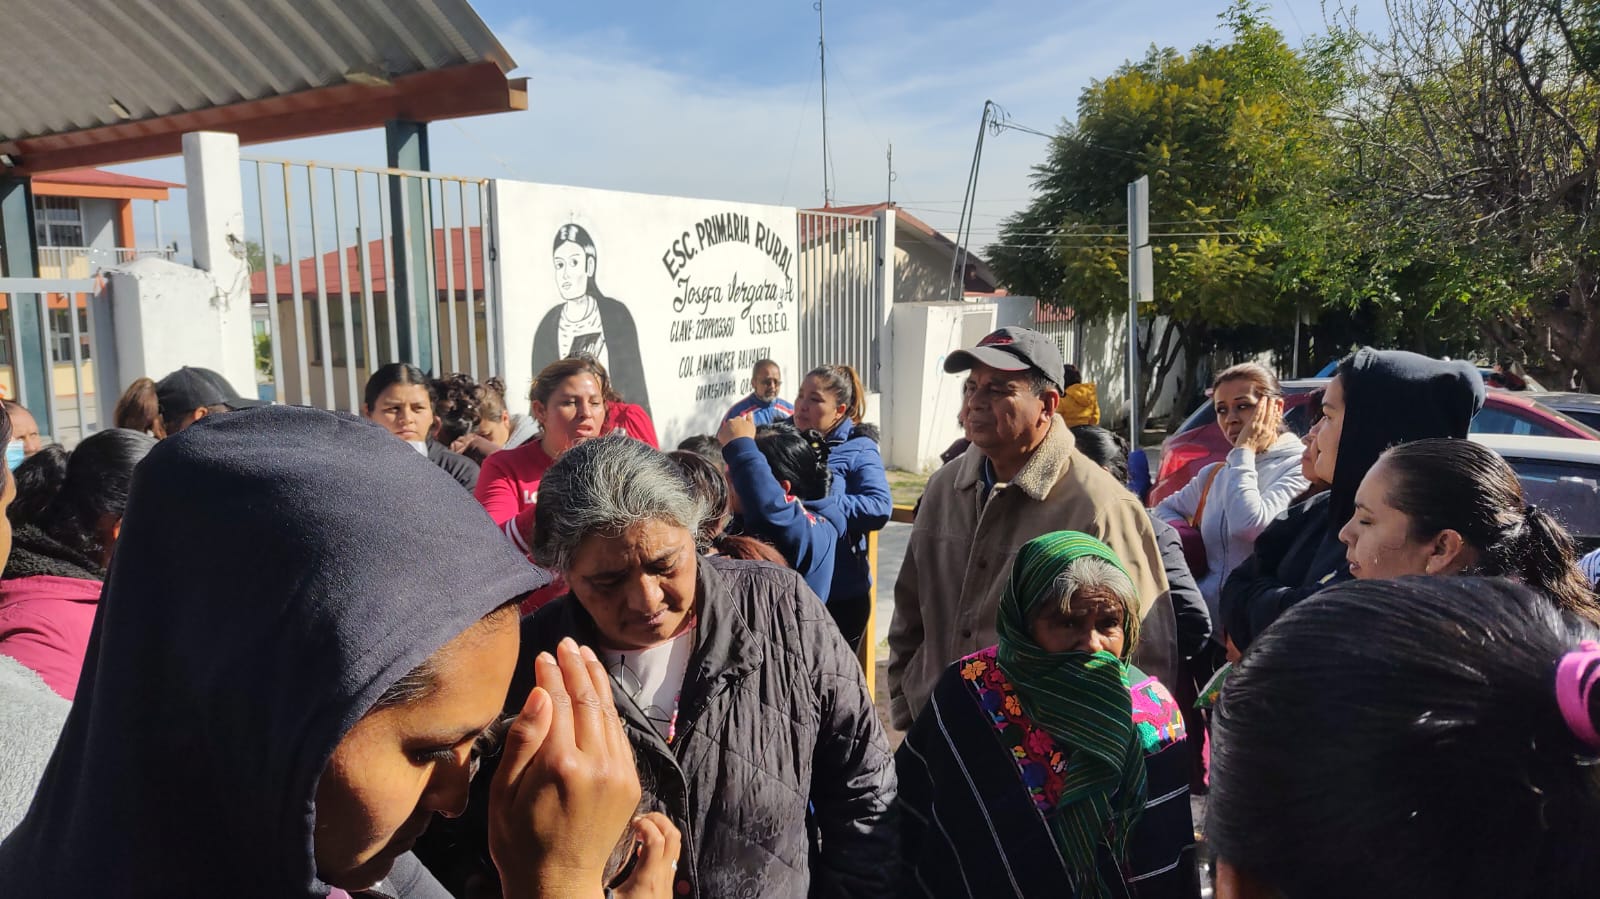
x,y
1576,678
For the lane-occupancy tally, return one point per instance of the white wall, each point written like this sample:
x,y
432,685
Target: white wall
x,y
1103,359
923,401
165,316
653,253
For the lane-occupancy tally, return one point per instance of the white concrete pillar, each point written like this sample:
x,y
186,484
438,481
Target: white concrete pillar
x,y
216,228
883,412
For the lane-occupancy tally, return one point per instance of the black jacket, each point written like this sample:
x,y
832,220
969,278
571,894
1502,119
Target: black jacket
x,y
464,470
1189,609
780,778
257,606
1296,556
1391,397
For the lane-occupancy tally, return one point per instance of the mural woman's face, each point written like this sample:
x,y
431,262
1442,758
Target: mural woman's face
x,y
572,271
575,413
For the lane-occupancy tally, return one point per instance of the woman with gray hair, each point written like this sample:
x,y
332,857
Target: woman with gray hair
x,y
1048,765
749,716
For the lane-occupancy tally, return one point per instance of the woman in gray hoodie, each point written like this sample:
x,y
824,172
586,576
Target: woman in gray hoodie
x,y
1232,502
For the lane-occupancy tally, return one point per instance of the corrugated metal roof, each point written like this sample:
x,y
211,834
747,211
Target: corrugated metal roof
x,y
71,65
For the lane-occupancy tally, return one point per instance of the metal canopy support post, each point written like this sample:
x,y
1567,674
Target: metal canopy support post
x,y
412,239
19,246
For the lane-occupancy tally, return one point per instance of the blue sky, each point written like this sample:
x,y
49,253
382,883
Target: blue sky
x,y
717,98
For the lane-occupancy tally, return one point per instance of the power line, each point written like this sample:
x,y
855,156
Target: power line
x,y
799,128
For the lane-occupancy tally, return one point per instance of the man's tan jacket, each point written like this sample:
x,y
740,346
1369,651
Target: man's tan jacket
x,y
961,550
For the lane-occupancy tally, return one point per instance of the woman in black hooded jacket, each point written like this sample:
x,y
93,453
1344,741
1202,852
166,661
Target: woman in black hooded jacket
x,y
1377,399
288,678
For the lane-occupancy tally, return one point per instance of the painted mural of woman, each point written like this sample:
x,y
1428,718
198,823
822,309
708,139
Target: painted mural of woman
x,y
587,321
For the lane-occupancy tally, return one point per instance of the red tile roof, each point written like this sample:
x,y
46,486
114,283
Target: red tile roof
x,y
103,178
283,286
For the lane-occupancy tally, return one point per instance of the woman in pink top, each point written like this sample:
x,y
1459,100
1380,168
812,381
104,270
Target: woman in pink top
x,y
568,401
67,515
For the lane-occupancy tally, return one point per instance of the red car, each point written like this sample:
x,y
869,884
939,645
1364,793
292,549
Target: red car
x,y
1199,442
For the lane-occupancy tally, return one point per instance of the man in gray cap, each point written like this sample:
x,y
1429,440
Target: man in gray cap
x,y
191,393
1021,477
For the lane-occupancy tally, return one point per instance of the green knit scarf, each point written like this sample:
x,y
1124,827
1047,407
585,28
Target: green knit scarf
x,y
1082,700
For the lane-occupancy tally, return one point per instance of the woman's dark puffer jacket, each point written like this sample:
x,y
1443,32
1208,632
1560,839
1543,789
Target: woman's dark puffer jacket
x,y
781,778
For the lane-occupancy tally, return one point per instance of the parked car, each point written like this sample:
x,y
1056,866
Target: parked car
x,y
1198,441
1559,475
1585,407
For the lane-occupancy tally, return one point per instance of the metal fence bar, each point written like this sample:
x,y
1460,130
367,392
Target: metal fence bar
x,y
49,358
16,345
431,277
491,284
364,255
77,359
409,354
466,272
353,403
386,232
302,357
450,277
275,334
325,342
362,345
837,285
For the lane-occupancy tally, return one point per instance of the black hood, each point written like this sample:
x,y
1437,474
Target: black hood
x,y
1393,397
277,570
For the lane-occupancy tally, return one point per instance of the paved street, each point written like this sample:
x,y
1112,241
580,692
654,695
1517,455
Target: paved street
x,y
891,552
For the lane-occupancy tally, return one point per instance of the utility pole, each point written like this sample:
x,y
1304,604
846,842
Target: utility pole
x,y
889,192
958,262
822,50
1140,289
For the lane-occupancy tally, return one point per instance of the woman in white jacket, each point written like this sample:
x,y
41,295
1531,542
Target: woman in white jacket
x,y
1233,501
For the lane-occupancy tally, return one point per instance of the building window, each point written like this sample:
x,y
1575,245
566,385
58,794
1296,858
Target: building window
x,y
61,334
57,222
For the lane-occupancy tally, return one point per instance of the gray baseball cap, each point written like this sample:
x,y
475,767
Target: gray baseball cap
x,y
1012,349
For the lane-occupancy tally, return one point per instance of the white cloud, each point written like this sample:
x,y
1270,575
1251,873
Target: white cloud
x,y
605,113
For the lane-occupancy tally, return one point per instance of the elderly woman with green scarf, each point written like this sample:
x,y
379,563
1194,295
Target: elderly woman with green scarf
x,y
1048,765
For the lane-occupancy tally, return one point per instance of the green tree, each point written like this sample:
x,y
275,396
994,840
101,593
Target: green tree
x,y
263,344
1467,182
256,257
1233,137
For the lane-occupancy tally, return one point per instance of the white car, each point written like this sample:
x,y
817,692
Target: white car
x,y
1559,475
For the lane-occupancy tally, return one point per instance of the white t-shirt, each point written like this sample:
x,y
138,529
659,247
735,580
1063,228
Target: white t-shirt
x,y
583,334
653,679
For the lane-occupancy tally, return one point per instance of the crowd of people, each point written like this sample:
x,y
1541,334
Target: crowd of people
x,y
276,651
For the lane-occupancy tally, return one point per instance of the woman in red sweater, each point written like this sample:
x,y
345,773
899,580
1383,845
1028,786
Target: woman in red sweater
x,y
568,401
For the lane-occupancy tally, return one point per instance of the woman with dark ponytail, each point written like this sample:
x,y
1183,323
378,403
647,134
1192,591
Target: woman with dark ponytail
x,y
1426,738
405,402
833,401
67,518
784,493
1446,506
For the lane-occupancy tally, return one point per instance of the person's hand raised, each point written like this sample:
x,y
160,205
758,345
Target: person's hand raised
x,y
474,445
657,867
734,428
1262,431
566,787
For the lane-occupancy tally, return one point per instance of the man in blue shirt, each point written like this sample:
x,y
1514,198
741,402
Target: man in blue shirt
x,y
763,405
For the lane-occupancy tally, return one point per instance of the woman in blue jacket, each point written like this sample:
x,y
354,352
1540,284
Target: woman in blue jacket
x,y
784,494
833,401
